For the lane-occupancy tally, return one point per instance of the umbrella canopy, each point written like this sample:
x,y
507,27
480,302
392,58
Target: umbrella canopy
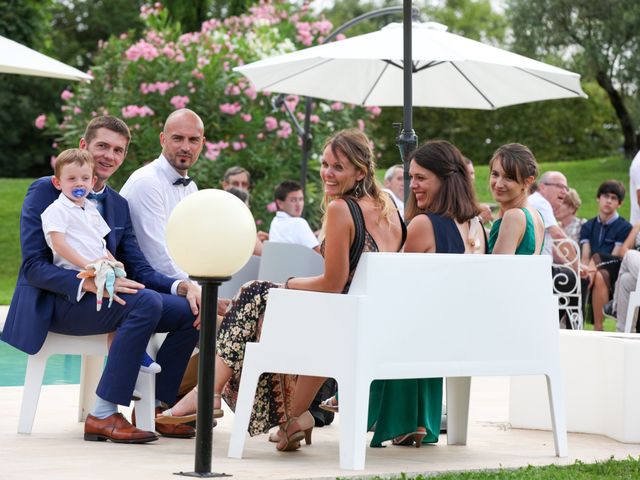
x,y
16,58
449,71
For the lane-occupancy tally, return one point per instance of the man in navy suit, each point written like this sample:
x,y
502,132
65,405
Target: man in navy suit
x,y
49,298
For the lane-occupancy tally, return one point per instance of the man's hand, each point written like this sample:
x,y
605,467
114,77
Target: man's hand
x,y
121,285
223,305
263,236
193,293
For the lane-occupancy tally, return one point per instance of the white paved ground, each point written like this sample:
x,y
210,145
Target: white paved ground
x,y
55,449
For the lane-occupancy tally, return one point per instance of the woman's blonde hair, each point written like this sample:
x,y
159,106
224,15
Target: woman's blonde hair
x,y
354,145
572,199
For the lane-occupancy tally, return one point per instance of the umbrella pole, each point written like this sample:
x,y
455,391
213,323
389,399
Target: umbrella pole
x,y
407,141
307,138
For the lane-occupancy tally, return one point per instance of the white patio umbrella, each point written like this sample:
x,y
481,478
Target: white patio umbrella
x,y
449,71
18,59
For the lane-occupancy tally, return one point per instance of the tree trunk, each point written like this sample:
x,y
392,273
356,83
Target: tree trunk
x,y
631,141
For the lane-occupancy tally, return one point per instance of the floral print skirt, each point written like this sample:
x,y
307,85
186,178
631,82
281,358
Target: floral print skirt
x,y
241,324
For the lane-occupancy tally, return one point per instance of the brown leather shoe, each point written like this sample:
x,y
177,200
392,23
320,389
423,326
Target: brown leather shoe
x,y
179,430
115,428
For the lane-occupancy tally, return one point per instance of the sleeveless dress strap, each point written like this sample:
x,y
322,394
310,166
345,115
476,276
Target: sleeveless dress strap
x,y
403,226
355,250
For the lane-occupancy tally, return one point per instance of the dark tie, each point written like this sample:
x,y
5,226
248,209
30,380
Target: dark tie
x,y
99,198
182,181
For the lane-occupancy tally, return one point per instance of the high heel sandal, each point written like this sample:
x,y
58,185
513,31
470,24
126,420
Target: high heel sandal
x,y
330,405
293,440
410,439
167,416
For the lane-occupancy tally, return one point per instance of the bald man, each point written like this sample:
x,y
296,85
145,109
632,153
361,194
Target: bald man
x,y
154,190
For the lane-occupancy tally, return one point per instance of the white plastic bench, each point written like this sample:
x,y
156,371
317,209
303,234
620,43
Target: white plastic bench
x,y
413,316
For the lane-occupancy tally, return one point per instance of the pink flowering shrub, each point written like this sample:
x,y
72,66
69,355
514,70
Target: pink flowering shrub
x,y
144,78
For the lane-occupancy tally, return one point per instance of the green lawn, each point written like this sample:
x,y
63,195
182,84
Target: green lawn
x,y
11,195
610,470
584,176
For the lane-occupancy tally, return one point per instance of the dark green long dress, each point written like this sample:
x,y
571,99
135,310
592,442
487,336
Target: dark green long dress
x,y
398,407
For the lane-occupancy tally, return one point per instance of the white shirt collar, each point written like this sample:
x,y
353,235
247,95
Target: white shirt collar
x,y
67,202
282,214
167,170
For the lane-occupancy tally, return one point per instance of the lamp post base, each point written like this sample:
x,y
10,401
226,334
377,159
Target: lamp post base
x,y
206,375
202,475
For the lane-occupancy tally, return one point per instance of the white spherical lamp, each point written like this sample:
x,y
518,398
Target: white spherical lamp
x,y
211,233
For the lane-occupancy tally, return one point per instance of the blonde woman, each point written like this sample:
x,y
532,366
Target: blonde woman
x,y
359,218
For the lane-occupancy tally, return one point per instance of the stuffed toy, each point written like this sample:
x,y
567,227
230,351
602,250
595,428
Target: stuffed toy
x,y
105,273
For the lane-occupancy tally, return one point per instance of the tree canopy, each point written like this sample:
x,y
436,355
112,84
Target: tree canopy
x,y
601,39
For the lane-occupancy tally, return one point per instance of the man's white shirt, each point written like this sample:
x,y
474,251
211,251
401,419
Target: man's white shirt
x,y
543,206
287,229
634,186
399,203
152,196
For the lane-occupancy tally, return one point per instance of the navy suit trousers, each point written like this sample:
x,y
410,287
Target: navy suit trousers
x,y
145,313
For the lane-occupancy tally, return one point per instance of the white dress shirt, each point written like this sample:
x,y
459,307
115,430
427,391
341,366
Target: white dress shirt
x,y
537,201
84,230
399,203
287,229
152,196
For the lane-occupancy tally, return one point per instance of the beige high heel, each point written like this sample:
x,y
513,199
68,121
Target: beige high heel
x,y
293,440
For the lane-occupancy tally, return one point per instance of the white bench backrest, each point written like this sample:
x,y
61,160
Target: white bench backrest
x,y
283,260
249,272
477,298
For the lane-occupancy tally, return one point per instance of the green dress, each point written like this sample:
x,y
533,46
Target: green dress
x,y
527,245
398,407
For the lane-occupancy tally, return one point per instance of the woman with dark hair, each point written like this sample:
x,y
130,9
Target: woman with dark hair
x,y
442,211
519,228
358,218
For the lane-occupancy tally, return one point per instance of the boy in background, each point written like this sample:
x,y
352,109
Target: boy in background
x,y
600,241
288,226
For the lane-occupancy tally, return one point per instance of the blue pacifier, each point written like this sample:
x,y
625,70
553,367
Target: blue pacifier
x,y
79,192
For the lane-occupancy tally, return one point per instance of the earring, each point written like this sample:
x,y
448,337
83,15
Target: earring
x,y
357,192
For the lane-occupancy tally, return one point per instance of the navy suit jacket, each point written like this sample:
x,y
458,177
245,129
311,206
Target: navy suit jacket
x,y
39,281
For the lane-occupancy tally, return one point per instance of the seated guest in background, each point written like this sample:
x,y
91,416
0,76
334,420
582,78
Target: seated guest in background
x,y
548,196
519,228
565,213
601,240
443,211
485,210
627,278
288,226
359,218
394,186
236,177
245,197
627,281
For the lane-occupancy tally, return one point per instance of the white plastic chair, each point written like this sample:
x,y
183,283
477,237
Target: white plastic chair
x,y
249,272
508,329
569,275
632,309
283,260
93,349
